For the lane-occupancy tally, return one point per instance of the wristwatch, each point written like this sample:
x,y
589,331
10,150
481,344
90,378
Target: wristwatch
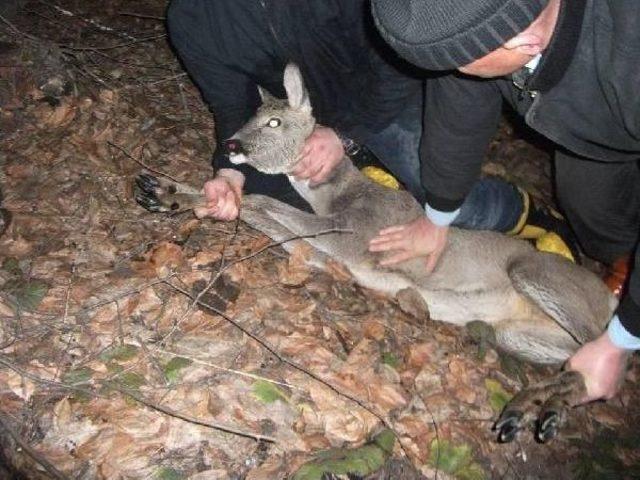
x,y
351,148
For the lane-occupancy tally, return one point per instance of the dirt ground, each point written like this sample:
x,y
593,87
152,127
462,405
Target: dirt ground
x,y
142,346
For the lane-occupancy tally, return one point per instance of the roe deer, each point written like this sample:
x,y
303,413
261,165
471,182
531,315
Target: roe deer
x,y
541,306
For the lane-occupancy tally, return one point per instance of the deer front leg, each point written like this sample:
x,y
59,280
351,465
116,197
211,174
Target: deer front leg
x,y
162,195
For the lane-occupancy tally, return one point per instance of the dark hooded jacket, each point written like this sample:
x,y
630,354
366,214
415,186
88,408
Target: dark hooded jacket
x,y
231,46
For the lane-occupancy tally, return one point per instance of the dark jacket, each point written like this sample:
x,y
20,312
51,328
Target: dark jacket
x,y
231,46
584,96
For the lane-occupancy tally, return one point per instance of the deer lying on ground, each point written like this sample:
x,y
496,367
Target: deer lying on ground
x,y
541,306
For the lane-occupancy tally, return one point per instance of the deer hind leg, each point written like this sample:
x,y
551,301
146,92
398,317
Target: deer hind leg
x,y
162,195
570,307
541,407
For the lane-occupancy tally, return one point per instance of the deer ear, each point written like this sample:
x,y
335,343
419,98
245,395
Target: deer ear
x,y
265,95
297,94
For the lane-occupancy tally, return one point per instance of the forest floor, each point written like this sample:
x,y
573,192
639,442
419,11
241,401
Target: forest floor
x,y
140,346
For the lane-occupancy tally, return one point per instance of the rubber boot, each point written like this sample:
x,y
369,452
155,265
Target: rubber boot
x,y
547,228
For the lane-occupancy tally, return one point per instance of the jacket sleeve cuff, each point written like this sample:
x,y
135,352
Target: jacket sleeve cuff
x,y
629,314
442,204
440,218
620,337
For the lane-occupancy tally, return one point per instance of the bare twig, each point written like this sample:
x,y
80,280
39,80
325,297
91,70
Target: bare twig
x,y
140,15
140,162
166,79
16,31
187,418
148,403
128,293
77,48
294,364
223,268
189,356
24,445
87,21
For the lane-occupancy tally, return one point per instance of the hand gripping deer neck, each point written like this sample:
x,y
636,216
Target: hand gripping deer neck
x,y
540,306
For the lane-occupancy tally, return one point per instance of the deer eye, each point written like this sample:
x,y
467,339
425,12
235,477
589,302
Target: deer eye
x,y
274,122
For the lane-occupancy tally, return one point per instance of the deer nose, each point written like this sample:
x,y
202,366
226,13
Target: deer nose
x,y
232,146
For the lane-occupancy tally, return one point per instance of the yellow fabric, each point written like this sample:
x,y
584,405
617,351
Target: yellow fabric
x,y
531,232
552,243
526,203
546,241
380,176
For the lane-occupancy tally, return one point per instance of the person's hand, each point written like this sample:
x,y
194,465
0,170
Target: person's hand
x,y
223,194
602,364
420,238
321,153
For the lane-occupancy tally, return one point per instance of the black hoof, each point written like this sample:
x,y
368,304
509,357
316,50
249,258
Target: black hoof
x,y
508,426
150,202
548,426
147,183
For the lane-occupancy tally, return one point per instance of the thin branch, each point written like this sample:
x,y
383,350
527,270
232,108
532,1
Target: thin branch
x,y
293,364
24,445
111,47
140,15
148,403
15,30
253,376
196,421
140,162
196,299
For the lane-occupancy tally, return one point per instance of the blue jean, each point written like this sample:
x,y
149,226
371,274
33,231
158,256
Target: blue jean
x,y
492,203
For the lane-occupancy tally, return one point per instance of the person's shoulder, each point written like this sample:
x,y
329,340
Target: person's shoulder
x,y
618,21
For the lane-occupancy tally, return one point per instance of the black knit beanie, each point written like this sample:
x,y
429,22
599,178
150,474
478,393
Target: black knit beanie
x,y
447,34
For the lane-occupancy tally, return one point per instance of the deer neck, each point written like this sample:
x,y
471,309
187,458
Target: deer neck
x,y
321,197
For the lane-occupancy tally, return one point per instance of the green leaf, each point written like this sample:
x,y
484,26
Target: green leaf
x,y
79,375
447,457
168,473
483,335
498,396
472,471
172,368
119,353
26,294
455,460
12,266
385,440
131,380
390,359
268,392
361,462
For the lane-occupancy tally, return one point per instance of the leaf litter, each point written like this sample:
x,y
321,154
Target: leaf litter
x,y
117,361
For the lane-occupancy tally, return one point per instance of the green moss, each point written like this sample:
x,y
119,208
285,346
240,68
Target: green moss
x,y
361,461
390,359
498,396
172,369
119,353
268,392
168,473
455,460
79,375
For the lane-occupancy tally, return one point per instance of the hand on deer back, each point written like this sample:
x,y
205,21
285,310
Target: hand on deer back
x,y
420,238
